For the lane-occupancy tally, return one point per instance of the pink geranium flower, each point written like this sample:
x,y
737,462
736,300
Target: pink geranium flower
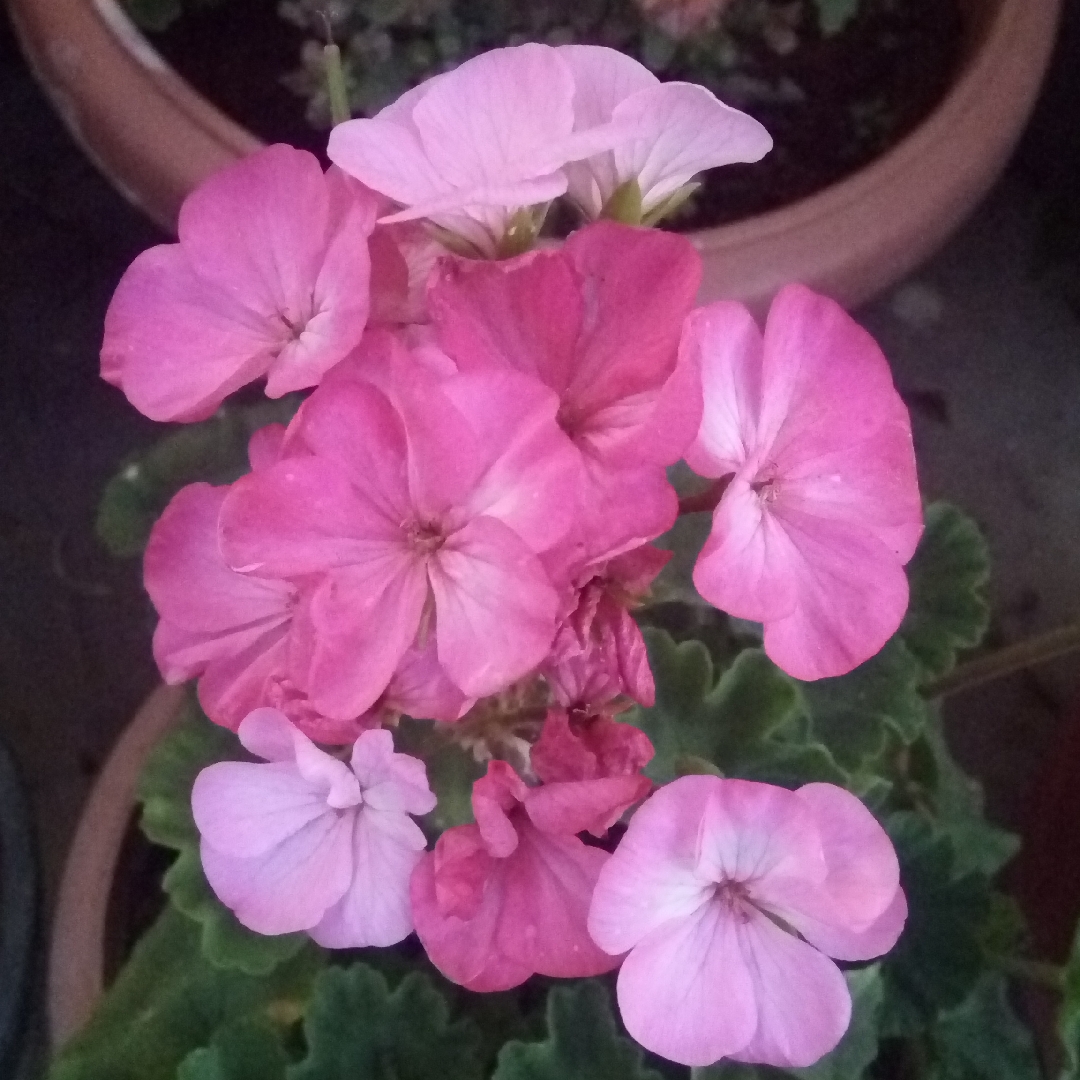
x,y
270,278
419,516
730,897
670,131
507,898
598,322
822,510
303,841
470,147
229,629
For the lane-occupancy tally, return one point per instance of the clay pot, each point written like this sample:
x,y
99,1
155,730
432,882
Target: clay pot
x,y
156,139
77,951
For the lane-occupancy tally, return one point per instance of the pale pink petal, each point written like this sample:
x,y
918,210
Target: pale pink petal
x,y
727,345
375,909
757,833
685,992
652,877
803,1003
844,943
681,129
232,685
394,783
624,508
243,809
549,882
291,885
266,446
495,608
267,733
602,78
863,872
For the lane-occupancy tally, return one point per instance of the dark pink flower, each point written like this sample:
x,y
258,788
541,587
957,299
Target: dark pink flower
x,y
302,841
822,510
507,898
598,653
598,322
580,745
270,278
730,897
418,516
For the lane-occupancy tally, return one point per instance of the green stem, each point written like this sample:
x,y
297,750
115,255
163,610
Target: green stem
x,y
335,84
1012,658
1033,971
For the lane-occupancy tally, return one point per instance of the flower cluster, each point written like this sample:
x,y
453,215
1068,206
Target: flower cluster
x,y
459,520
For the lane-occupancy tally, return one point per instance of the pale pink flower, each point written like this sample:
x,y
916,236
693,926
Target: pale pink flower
x,y
598,653
507,898
420,516
598,322
669,132
302,841
270,278
470,147
579,745
730,897
822,510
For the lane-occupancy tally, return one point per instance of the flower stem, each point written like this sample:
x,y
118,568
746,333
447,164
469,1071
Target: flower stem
x,y
335,78
707,499
1012,658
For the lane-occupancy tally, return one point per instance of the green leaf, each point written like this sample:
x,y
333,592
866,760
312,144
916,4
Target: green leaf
x,y
939,956
834,15
724,721
859,1046
249,1049
583,1042
958,802
853,714
1068,1019
984,1039
948,574
169,1000
357,1029
165,791
213,450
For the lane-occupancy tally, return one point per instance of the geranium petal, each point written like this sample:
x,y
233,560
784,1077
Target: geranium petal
x,y
685,992
803,1003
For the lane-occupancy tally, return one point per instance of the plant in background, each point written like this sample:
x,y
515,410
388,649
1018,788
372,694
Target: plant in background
x,y
465,725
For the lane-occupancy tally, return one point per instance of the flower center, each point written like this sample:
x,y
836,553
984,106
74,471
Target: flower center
x,y
767,489
735,896
424,537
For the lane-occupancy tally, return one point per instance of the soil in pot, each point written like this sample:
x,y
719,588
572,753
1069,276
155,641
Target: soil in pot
x,y
832,103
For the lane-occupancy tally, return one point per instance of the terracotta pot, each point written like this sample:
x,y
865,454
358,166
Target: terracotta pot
x,y
156,138
77,952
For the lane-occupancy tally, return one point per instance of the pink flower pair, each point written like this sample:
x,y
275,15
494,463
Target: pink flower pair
x,y
517,127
